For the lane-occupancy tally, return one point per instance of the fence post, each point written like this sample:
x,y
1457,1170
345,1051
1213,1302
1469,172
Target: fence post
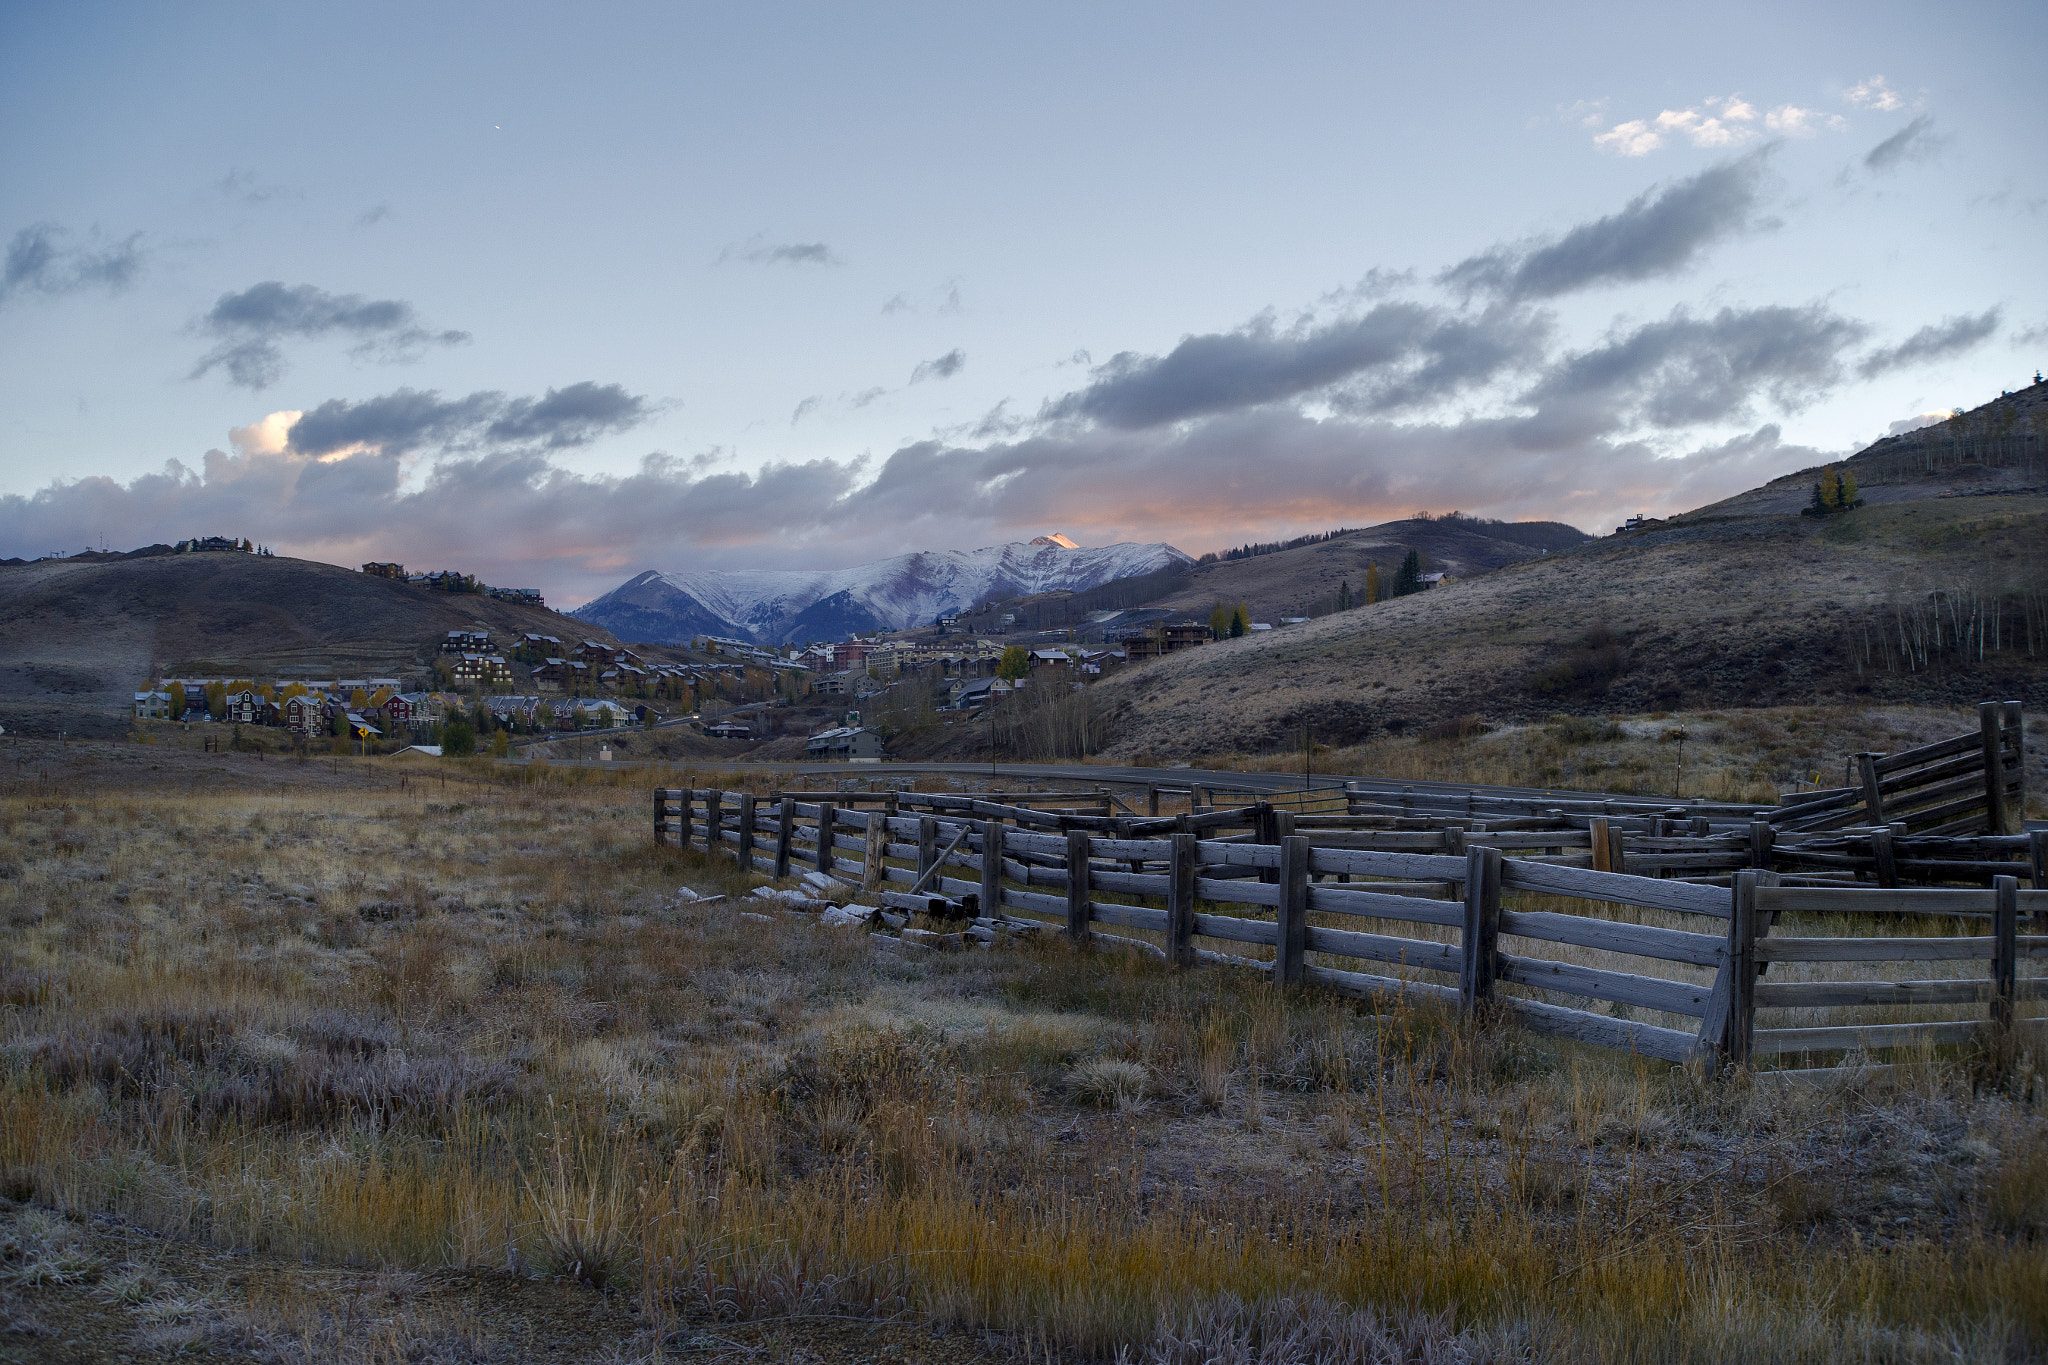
x,y
714,820
661,821
1180,902
1603,854
2016,799
1293,926
1990,716
1077,885
1482,928
2005,921
785,834
1266,830
2037,855
1761,839
927,844
745,855
874,857
1742,968
828,816
1152,799
1873,794
1887,862
992,868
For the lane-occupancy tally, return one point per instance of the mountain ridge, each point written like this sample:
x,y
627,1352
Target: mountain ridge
x,y
776,606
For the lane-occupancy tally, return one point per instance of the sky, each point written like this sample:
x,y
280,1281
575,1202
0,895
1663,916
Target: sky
x,y
556,294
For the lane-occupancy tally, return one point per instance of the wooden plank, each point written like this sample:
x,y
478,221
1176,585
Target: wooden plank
x,y
1131,916
1747,923
1873,794
1405,952
1350,900
1237,892
1518,874
1927,753
785,835
1558,1021
1901,949
1407,866
1233,928
1034,901
1774,1042
1871,900
1365,986
991,891
1625,988
1130,883
1240,855
1641,940
1828,994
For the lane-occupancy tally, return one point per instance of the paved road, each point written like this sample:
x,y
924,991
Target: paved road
x,y
1092,773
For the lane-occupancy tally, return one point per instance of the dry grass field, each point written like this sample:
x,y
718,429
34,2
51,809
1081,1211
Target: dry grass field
x,y
326,1067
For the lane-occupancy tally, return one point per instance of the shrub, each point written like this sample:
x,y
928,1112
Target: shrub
x,y
1589,665
1455,729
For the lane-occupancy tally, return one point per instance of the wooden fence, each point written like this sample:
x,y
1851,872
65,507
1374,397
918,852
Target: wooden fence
x,y
1968,784
1295,894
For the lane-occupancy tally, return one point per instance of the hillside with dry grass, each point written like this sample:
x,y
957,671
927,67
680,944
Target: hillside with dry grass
x,y
1918,597
78,637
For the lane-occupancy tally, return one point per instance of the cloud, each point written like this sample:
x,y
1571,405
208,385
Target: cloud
x,y
250,188
1906,424
1687,370
1720,121
39,261
408,420
516,517
373,215
1396,355
1936,341
1659,232
759,250
945,367
1917,141
1875,93
251,324
945,301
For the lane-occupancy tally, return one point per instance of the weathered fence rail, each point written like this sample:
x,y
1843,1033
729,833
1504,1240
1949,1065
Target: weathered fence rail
x,y
1301,906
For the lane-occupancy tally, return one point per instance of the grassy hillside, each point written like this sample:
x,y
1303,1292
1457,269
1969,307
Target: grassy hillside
x,y
78,637
1739,608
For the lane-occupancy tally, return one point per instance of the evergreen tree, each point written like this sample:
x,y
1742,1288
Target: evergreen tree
x,y
458,740
1409,577
1240,621
1344,595
1014,664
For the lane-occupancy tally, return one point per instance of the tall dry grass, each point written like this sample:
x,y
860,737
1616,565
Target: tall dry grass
x,y
482,1031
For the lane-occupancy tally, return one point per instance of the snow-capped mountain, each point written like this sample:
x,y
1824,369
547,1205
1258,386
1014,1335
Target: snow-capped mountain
x,y
773,606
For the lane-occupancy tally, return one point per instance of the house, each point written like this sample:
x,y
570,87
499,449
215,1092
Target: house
x,y
243,707
404,710
152,706
513,711
305,714
563,675
729,729
1167,639
360,726
598,715
1051,658
467,642
529,596
969,693
836,684
1429,580
846,743
481,670
395,572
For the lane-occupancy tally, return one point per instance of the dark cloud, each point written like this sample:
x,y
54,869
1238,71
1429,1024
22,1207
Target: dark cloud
x,y
1687,370
1397,354
760,251
1936,341
407,420
1659,232
372,216
945,367
250,188
253,322
1917,141
40,261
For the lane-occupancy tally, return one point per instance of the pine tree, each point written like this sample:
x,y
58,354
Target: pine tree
x,y
1409,578
1344,595
1240,621
1372,583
